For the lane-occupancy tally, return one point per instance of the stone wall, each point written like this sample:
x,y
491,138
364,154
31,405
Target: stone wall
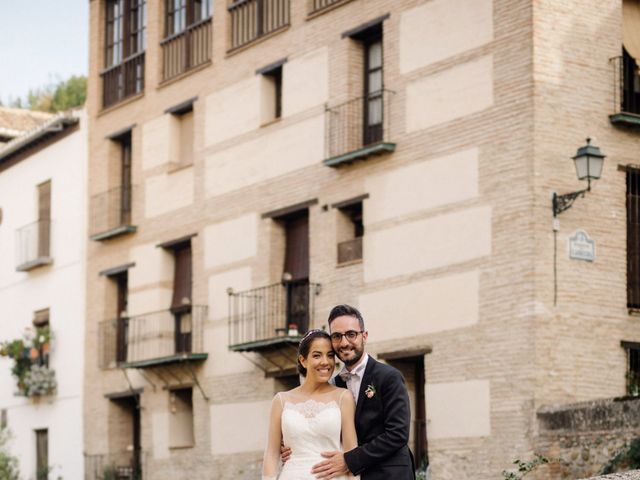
x,y
585,436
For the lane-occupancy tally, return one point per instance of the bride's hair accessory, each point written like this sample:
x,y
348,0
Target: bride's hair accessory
x,y
305,345
370,391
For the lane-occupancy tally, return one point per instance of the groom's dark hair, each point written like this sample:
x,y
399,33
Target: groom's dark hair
x,y
345,310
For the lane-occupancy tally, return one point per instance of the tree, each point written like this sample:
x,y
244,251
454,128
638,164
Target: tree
x,y
8,463
53,98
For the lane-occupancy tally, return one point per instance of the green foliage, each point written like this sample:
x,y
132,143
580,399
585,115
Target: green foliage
x,y
633,384
524,468
422,470
30,357
626,458
8,463
55,97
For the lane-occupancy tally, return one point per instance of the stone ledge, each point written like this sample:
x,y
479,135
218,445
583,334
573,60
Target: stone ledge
x,y
633,475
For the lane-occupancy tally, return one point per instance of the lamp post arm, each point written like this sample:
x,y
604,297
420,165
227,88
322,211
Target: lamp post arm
x,y
564,202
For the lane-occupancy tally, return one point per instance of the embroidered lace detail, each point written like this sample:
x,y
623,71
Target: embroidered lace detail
x,y
310,408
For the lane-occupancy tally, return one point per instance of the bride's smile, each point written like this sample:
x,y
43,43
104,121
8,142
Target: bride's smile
x,y
320,362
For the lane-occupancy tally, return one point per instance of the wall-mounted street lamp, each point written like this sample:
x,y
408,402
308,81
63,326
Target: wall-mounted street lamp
x,y
588,161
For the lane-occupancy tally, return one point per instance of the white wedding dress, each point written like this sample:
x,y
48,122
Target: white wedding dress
x,y
309,428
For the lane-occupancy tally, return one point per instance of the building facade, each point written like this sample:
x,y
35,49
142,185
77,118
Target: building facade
x,y
42,286
256,162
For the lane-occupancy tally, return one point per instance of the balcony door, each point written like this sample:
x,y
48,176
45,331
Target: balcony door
x,y
126,447
125,180
122,320
296,266
182,295
373,88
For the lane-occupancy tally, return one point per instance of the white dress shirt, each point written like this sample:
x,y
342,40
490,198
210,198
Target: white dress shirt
x,y
354,377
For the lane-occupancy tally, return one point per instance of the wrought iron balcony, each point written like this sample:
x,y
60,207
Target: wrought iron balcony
x,y
253,19
187,49
126,465
123,80
152,339
111,213
33,244
316,6
358,128
269,316
626,91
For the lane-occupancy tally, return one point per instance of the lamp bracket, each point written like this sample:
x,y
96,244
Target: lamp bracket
x,y
564,202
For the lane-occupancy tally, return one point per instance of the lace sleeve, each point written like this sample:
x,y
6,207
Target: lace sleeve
x,y
271,460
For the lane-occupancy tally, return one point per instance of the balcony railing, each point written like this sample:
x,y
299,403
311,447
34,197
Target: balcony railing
x,y
33,245
266,314
123,80
252,19
187,49
626,92
111,213
358,128
127,465
155,338
318,5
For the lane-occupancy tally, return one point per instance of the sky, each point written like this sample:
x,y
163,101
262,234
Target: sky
x,y
41,42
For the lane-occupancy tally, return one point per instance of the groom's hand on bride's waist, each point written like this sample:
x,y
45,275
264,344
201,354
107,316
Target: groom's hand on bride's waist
x,y
285,453
332,467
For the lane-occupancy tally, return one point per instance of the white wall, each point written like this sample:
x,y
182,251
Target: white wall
x,y
59,287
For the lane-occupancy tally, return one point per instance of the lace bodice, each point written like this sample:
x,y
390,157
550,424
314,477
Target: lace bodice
x,y
309,428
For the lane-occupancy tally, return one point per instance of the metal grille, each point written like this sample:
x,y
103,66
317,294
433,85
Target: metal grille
x,y
633,238
127,465
33,242
626,81
111,209
267,312
317,5
357,123
187,49
123,80
151,336
252,19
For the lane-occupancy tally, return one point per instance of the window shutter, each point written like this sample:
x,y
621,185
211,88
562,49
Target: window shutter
x,y
182,277
44,218
296,259
633,238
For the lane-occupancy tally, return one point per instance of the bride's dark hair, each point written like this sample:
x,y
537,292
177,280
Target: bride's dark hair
x,y
305,346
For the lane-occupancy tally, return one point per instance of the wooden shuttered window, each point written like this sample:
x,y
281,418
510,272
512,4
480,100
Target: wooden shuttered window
x,y
633,238
44,218
296,263
182,281
122,320
125,179
42,454
296,258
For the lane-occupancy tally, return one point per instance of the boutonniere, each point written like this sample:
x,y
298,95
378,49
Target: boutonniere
x,y
370,391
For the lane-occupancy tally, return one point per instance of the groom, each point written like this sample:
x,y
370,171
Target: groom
x,y
383,415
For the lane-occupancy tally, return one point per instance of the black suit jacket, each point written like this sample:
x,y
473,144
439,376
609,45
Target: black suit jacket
x,y
382,425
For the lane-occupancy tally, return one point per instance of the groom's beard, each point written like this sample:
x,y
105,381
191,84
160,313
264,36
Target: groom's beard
x,y
358,351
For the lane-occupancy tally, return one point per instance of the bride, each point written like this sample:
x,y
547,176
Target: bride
x,y
310,418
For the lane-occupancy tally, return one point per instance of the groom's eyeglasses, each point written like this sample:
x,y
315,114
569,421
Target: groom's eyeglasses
x,y
350,334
